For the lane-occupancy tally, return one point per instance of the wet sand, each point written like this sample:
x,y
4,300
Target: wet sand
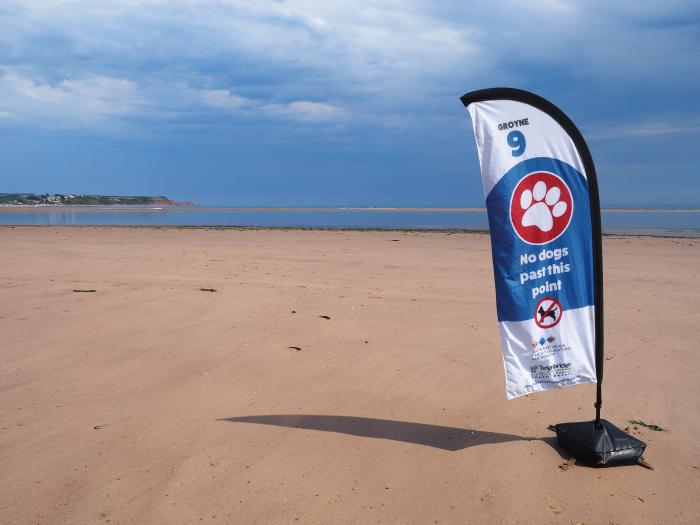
x,y
332,377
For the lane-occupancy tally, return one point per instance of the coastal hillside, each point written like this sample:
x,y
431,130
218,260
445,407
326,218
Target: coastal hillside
x,y
67,199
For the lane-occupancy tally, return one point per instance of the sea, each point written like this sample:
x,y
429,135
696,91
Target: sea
x,y
680,223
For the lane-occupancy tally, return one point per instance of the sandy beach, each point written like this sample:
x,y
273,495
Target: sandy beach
x,y
331,377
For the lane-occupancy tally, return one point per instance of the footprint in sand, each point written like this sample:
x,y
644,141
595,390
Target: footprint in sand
x,y
555,508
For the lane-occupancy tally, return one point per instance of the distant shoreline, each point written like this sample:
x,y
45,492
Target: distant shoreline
x,y
177,207
680,223
657,233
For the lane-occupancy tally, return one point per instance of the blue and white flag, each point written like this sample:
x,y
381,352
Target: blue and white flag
x,y
536,171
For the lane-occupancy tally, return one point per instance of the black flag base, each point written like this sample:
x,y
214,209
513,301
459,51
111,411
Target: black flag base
x,y
601,446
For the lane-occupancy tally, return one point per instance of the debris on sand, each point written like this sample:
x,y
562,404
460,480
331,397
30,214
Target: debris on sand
x,y
207,289
84,291
656,428
324,317
297,348
571,463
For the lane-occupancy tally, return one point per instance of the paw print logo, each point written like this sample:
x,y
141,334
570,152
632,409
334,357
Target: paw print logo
x,y
541,207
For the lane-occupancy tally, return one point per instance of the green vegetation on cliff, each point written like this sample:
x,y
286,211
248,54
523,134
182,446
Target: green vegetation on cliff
x,y
31,199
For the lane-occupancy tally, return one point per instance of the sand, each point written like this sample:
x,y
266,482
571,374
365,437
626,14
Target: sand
x,y
151,401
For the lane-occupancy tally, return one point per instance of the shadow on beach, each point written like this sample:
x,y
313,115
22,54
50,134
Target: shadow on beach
x,y
445,438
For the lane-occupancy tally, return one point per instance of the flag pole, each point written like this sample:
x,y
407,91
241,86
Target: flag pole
x,y
596,230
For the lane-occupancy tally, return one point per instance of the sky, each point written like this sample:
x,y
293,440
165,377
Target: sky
x,y
336,103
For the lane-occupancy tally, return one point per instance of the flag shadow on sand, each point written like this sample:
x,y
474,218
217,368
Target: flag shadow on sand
x,y
445,438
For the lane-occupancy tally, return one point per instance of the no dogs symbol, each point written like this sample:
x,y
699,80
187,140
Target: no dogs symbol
x,y
548,312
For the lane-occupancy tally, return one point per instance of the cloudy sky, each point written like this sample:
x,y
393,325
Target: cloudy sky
x,y
309,102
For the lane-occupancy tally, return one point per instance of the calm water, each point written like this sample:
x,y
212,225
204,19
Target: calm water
x,y
685,223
